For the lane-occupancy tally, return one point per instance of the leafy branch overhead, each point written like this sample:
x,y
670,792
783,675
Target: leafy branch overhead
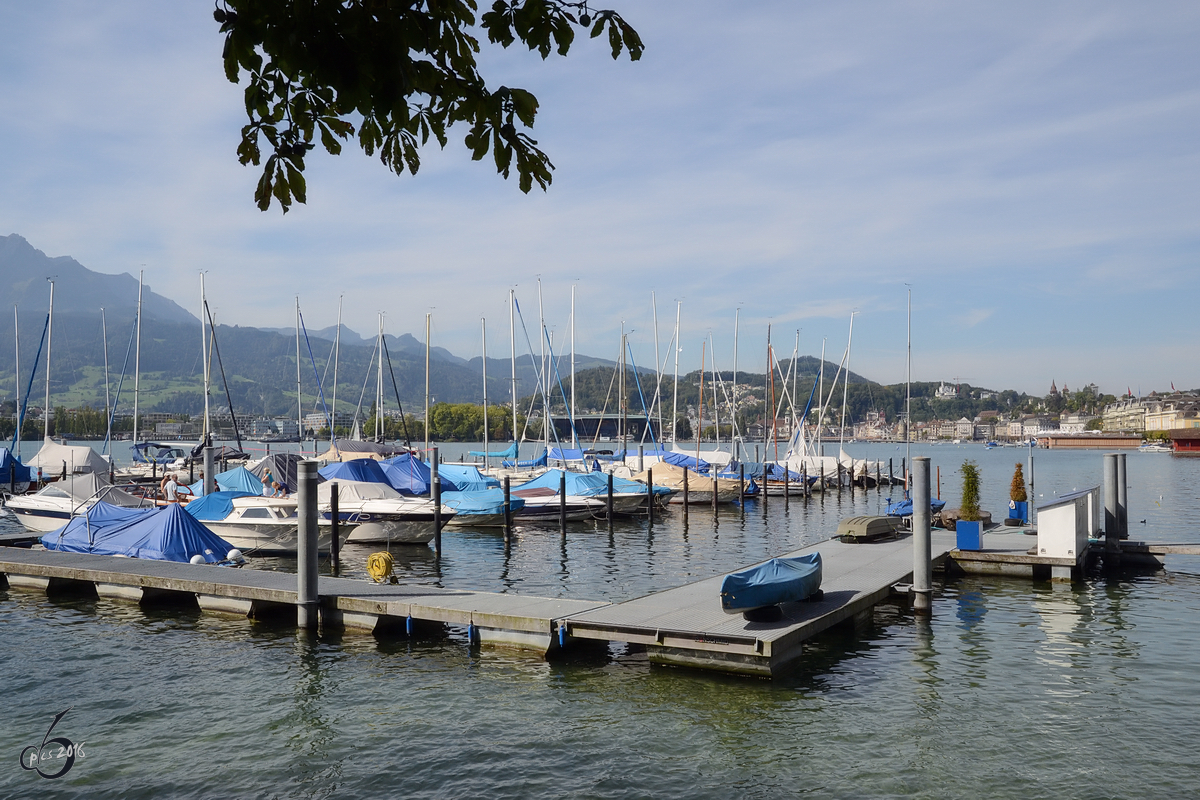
x,y
394,73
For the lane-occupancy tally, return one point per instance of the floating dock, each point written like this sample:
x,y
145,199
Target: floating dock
x,y
683,626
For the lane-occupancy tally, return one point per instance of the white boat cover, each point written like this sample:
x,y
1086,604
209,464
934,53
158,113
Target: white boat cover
x,y
79,459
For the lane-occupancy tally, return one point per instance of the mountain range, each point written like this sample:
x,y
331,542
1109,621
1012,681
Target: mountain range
x,y
258,363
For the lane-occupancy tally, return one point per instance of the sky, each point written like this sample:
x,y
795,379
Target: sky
x,y
1030,170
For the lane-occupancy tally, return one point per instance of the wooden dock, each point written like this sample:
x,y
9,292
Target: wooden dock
x,y
683,626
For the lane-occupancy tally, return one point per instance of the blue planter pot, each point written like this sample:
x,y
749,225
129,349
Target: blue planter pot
x,y
969,535
1018,511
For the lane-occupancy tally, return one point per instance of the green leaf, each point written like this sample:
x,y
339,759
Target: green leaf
x,y
296,183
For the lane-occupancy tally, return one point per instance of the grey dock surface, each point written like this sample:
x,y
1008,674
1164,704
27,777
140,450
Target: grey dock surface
x,y
686,626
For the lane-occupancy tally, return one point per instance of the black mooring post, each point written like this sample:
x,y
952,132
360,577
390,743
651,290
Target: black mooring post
x,y
610,500
437,503
787,487
507,509
650,493
562,502
685,495
334,548
742,487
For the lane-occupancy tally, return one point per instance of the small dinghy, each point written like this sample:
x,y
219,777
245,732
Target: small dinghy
x,y
756,593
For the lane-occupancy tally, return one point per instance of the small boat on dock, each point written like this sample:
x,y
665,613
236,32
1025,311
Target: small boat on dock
x,y
780,580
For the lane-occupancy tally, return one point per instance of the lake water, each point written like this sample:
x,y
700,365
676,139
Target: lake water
x,y
1013,689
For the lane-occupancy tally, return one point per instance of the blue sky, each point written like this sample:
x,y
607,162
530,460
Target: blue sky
x,y
1031,169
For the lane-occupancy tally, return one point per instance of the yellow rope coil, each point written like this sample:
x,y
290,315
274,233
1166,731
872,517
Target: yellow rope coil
x,y
379,566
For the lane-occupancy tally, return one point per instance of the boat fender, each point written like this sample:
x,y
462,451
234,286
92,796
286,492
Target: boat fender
x,y
408,625
562,635
470,633
196,559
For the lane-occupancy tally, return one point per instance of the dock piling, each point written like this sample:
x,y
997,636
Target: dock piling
x,y
714,495
922,543
650,494
335,556
507,509
562,502
1112,513
210,475
436,493
742,487
685,495
307,601
787,487
1122,498
608,507
641,458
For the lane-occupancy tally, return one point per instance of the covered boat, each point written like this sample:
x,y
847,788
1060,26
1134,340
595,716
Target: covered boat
x,y
15,477
904,508
238,479
480,509
700,487
56,459
780,580
264,525
382,514
54,504
165,534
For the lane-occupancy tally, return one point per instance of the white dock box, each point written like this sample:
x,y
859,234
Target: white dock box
x,y
1065,523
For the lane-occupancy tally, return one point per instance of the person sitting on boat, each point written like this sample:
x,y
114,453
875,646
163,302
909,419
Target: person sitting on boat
x,y
268,484
280,489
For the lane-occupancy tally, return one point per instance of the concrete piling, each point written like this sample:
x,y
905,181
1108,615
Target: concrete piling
x,y
307,601
922,542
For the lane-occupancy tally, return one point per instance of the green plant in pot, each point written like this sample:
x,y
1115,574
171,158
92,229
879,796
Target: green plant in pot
x,y
1018,506
969,528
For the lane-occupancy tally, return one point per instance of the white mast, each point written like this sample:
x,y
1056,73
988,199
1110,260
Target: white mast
x,y
574,433
908,398
379,429
137,359
846,389
736,439
49,339
716,408
675,400
204,359
483,325
544,381
107,397
428,315
657,366
821,405
337,352
795,375
299,399
17,344
512,332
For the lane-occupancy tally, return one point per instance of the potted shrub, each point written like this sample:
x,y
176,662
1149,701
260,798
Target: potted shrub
x,y
969,528
1018,500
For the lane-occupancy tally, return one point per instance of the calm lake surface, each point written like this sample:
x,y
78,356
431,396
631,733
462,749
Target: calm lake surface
x,y
1013,689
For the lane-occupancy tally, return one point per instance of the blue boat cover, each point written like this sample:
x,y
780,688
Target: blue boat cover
x,y
465,478
21,473
904,508
215,506
562,454
165,534
780,580
488,501
238,479
773,471
358,469
540,461
511,452
587,484
408,474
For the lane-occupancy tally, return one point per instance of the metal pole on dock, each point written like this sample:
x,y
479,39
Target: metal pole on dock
x,y
787,487
307,601
562,502
714,495
685,495
609,500
742,487
839,477
1122,498
641,458
436,492
335,556
1112,508
507,508
891,476
922,543
804,481
210,478
650,493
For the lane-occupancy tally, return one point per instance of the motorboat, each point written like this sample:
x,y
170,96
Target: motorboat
x,y
261,525
700,487
382,515
54,504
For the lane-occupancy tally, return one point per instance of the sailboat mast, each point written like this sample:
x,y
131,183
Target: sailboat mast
x,y
795,375
574,432
380,430
716,404
204,359
299,398
49,340
657,365
622,390
544,383
17,409
908,397
428,315
700,406
137,359
771,376
337,352
483,325
107,396
821,405
737,312
675,400
512,333
846,386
